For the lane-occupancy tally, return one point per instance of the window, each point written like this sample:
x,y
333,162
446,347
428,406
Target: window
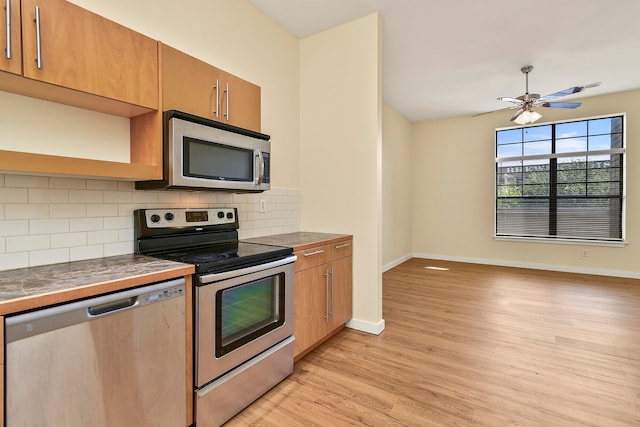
x,y
561,181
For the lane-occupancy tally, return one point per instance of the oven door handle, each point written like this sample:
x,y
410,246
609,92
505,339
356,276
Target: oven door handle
x,y
216,277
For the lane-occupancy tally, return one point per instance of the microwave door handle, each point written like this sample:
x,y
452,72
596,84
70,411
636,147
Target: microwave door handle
x,y
260,157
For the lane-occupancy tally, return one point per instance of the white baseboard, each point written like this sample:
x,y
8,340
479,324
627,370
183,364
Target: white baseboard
x,y
535,266
364,326
396,262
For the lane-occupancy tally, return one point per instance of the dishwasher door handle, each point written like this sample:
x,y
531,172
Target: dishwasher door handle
x,y
111,307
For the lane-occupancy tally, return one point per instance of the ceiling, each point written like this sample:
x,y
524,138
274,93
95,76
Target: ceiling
x,y
450,58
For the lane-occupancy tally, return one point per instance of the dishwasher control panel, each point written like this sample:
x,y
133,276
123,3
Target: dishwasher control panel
x,y
151,297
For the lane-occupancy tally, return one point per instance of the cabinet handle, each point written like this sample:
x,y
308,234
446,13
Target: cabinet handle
x,y
343,246
38,41
260,157
217,111
227,92
333,294
8,8
314,252
326,295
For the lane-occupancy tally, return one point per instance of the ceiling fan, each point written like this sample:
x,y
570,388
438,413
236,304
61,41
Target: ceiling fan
x,y
526,102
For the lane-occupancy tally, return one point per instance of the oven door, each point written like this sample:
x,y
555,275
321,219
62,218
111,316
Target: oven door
x,y
240,314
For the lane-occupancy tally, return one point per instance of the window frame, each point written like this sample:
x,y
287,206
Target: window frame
x,y
565,240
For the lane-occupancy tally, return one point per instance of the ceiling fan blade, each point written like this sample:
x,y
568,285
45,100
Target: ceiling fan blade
x,y
517,114
560,104
569,91
509,99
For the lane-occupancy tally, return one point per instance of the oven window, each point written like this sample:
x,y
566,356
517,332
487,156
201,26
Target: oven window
x,y
248,311
203,159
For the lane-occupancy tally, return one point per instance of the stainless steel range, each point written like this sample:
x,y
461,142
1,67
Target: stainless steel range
x,y
243,305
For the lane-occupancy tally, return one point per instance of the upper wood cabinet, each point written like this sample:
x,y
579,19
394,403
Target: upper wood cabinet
x,y
66,45
195,87
71,56
10,37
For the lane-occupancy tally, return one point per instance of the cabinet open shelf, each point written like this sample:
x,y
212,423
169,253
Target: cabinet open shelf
x,y
15,161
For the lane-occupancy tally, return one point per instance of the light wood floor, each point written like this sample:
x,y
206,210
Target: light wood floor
x,y
474,346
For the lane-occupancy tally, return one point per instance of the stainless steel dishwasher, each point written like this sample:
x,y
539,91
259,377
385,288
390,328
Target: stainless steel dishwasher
x,y
113,360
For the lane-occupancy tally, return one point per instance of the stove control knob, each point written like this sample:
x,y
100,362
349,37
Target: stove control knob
x,y
155,218
230,215
220,214
169,216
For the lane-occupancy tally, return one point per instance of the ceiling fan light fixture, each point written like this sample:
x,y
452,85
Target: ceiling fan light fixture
x,y
528,117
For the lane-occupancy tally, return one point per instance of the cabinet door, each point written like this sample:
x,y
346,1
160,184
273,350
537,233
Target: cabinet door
x,y
11,58
240,102
86,52
341,292
310,307
188,84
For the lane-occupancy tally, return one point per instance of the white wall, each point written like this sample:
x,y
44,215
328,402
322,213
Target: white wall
x,y
340,123
397,187
454,162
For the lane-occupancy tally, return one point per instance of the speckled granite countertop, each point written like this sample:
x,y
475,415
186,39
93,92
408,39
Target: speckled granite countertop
x,y
300,240
29,288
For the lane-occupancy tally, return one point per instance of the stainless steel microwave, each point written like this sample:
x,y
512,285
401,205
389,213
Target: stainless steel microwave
x,y
202,154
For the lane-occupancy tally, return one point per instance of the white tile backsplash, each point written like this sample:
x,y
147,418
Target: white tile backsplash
x,y
46,220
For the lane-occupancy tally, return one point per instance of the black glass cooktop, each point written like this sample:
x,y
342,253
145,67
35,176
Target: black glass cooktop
x,y
219,257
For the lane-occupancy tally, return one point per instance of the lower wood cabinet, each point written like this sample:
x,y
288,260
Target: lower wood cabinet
x,y
323,299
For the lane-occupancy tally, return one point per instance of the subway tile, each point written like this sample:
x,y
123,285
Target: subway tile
x,y
86,196
101,185
50,256
68,183
42,195
2,245
14,195
118,222
118,196
27,243
68,240
14,228
26,181
86,252
125,235
121,248
208,197
26,211
189,197
127,209
15,260
145,197
225,198
68,210
102,209
48,226
169,197
126,185
85,224
102,237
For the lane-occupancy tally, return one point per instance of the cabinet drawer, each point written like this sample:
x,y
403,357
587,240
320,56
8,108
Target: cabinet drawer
x,y
341,249
312,257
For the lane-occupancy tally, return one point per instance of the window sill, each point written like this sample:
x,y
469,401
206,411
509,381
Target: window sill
x,y
576,242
